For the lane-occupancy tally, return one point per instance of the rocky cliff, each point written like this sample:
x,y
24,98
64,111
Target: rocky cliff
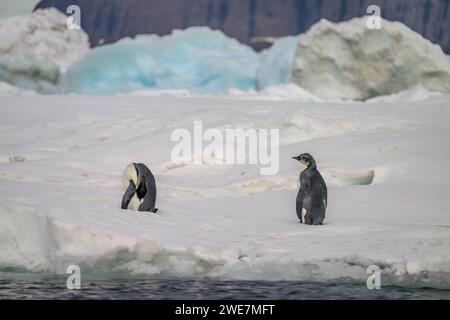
x,y
109,20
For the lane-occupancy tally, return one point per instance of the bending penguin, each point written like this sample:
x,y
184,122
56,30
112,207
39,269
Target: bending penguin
x,y
140,188
312,195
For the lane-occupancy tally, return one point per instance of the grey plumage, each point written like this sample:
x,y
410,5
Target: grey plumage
x,y
312,196
140,193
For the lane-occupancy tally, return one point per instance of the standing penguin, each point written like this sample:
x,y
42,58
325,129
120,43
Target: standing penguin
x,y
312,195
140,188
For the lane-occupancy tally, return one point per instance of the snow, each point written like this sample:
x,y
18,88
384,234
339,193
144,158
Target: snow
x,y
195,59
348,61
385,163
288,91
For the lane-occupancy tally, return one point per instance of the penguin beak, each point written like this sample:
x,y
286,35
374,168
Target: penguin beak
x,y
296,158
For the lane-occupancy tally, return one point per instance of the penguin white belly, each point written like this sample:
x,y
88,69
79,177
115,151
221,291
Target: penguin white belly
x,y
135,202
303,214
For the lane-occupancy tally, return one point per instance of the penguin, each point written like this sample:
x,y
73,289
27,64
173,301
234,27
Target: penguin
x,y
140,188
312,195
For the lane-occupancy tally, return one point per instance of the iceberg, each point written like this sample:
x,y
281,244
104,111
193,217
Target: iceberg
x,y
197,59
276,62
44,35
30,73
343,61
36,48
8,90
348,61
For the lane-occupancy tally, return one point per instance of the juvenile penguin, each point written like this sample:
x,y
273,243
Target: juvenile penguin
x,y
140,188
312,195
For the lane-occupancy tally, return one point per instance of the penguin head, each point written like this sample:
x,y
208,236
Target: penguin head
x,y
306,159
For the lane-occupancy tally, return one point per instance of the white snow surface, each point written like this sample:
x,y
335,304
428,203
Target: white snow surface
x,y
385,163
348,61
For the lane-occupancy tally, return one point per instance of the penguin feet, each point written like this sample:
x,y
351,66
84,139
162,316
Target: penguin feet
x,y
155,210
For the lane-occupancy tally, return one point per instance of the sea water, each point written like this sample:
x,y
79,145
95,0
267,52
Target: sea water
x,y
46,286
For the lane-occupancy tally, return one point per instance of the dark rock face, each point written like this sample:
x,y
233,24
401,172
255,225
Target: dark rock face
x,y
110,20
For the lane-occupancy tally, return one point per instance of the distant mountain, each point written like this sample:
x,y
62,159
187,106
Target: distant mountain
x,y
109,20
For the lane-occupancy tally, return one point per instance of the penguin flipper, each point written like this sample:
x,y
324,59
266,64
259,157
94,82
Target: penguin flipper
x,y
129,193
141,190
151,188
148,202
149,199
306,185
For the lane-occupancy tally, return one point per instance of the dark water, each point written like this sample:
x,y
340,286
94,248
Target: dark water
x,y
32,286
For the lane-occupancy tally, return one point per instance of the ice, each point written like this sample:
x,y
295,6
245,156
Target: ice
x,y
276,62
29,73
348,61
416,93
197,59
36,48
44,35
8,90
385,163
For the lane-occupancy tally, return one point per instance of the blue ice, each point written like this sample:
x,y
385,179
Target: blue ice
x,y
276,62
197,59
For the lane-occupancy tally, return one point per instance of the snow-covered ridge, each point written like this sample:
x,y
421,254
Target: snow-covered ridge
x,y
60,189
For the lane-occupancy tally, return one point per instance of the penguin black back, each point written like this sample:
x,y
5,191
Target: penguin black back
x,y
312,197
140,188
